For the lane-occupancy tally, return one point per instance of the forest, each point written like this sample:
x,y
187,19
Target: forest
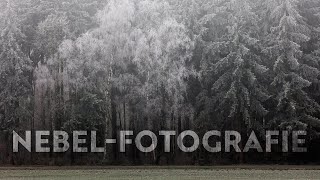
x,y
110,65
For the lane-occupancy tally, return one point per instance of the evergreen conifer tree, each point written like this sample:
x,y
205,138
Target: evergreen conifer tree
x,y
292,75
15,89
236,66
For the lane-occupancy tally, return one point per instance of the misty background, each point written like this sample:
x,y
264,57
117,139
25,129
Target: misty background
x,y
110,65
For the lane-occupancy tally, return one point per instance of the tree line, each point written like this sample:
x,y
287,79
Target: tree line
x,y
158,64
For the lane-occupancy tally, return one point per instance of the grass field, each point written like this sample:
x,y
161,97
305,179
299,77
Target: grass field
x,y
167,173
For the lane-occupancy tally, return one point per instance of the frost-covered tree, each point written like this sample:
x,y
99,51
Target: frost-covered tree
x,y
15,68
288,32
233,64
47,24
163,50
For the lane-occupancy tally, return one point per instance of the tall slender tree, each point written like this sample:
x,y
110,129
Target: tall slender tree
x,y
16,88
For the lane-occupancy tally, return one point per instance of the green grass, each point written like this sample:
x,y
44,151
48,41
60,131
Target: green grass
x,y
158,173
